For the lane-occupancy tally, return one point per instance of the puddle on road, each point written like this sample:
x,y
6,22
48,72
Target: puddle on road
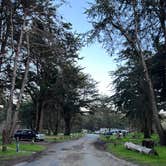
x,y
66,149
77,147
73,158
52,151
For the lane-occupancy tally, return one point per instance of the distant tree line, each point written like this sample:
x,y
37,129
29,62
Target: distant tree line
x,y
104,116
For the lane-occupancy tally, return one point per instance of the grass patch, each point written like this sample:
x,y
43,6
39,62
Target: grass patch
x,y
24,150
62,138
30,147
116,146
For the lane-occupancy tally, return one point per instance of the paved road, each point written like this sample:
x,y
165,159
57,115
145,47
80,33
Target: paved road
x,y
76,153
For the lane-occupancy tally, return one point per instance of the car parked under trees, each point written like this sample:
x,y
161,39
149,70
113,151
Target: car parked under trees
x,y
28,134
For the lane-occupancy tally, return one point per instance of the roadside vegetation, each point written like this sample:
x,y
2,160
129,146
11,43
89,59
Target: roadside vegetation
x,y
25,149
115,146
62,138
28,148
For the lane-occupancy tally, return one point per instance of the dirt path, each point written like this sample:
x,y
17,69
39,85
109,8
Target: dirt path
x,y
76,153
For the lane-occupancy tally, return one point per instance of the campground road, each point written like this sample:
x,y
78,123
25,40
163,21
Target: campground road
x,y
76,153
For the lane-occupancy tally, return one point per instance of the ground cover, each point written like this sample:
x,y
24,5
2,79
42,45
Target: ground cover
x,y
25,149
116,146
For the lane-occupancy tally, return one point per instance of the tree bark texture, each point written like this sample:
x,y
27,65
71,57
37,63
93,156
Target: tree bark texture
x,y
4,141
15,117
147,128
38,113
4,33
41,117
10,105
67,119
151,95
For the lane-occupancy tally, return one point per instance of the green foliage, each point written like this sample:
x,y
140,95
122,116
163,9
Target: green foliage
x,y
104,116
120,151
27,115
131,96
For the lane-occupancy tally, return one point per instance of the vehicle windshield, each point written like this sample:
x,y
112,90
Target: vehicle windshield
x,y
18,131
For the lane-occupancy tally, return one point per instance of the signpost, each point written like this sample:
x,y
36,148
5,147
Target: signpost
x,y
17,144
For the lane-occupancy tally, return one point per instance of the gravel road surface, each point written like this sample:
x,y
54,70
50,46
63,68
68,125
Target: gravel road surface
x,y
76,153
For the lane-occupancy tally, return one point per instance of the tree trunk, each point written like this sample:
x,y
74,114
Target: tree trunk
x,y
147,129
15,118
3,45
55,131
10,105
38,114
41,117
162,18
49,131
49,122
67,119
151,95
4,33
4,141
56,123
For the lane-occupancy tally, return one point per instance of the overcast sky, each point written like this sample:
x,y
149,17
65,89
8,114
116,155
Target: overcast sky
x,y
96,61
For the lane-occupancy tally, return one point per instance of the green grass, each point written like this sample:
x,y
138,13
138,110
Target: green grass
x,y
62,138
30,147
24,150
116,146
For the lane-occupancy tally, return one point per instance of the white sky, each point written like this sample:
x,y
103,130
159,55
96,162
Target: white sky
x,y
96,61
